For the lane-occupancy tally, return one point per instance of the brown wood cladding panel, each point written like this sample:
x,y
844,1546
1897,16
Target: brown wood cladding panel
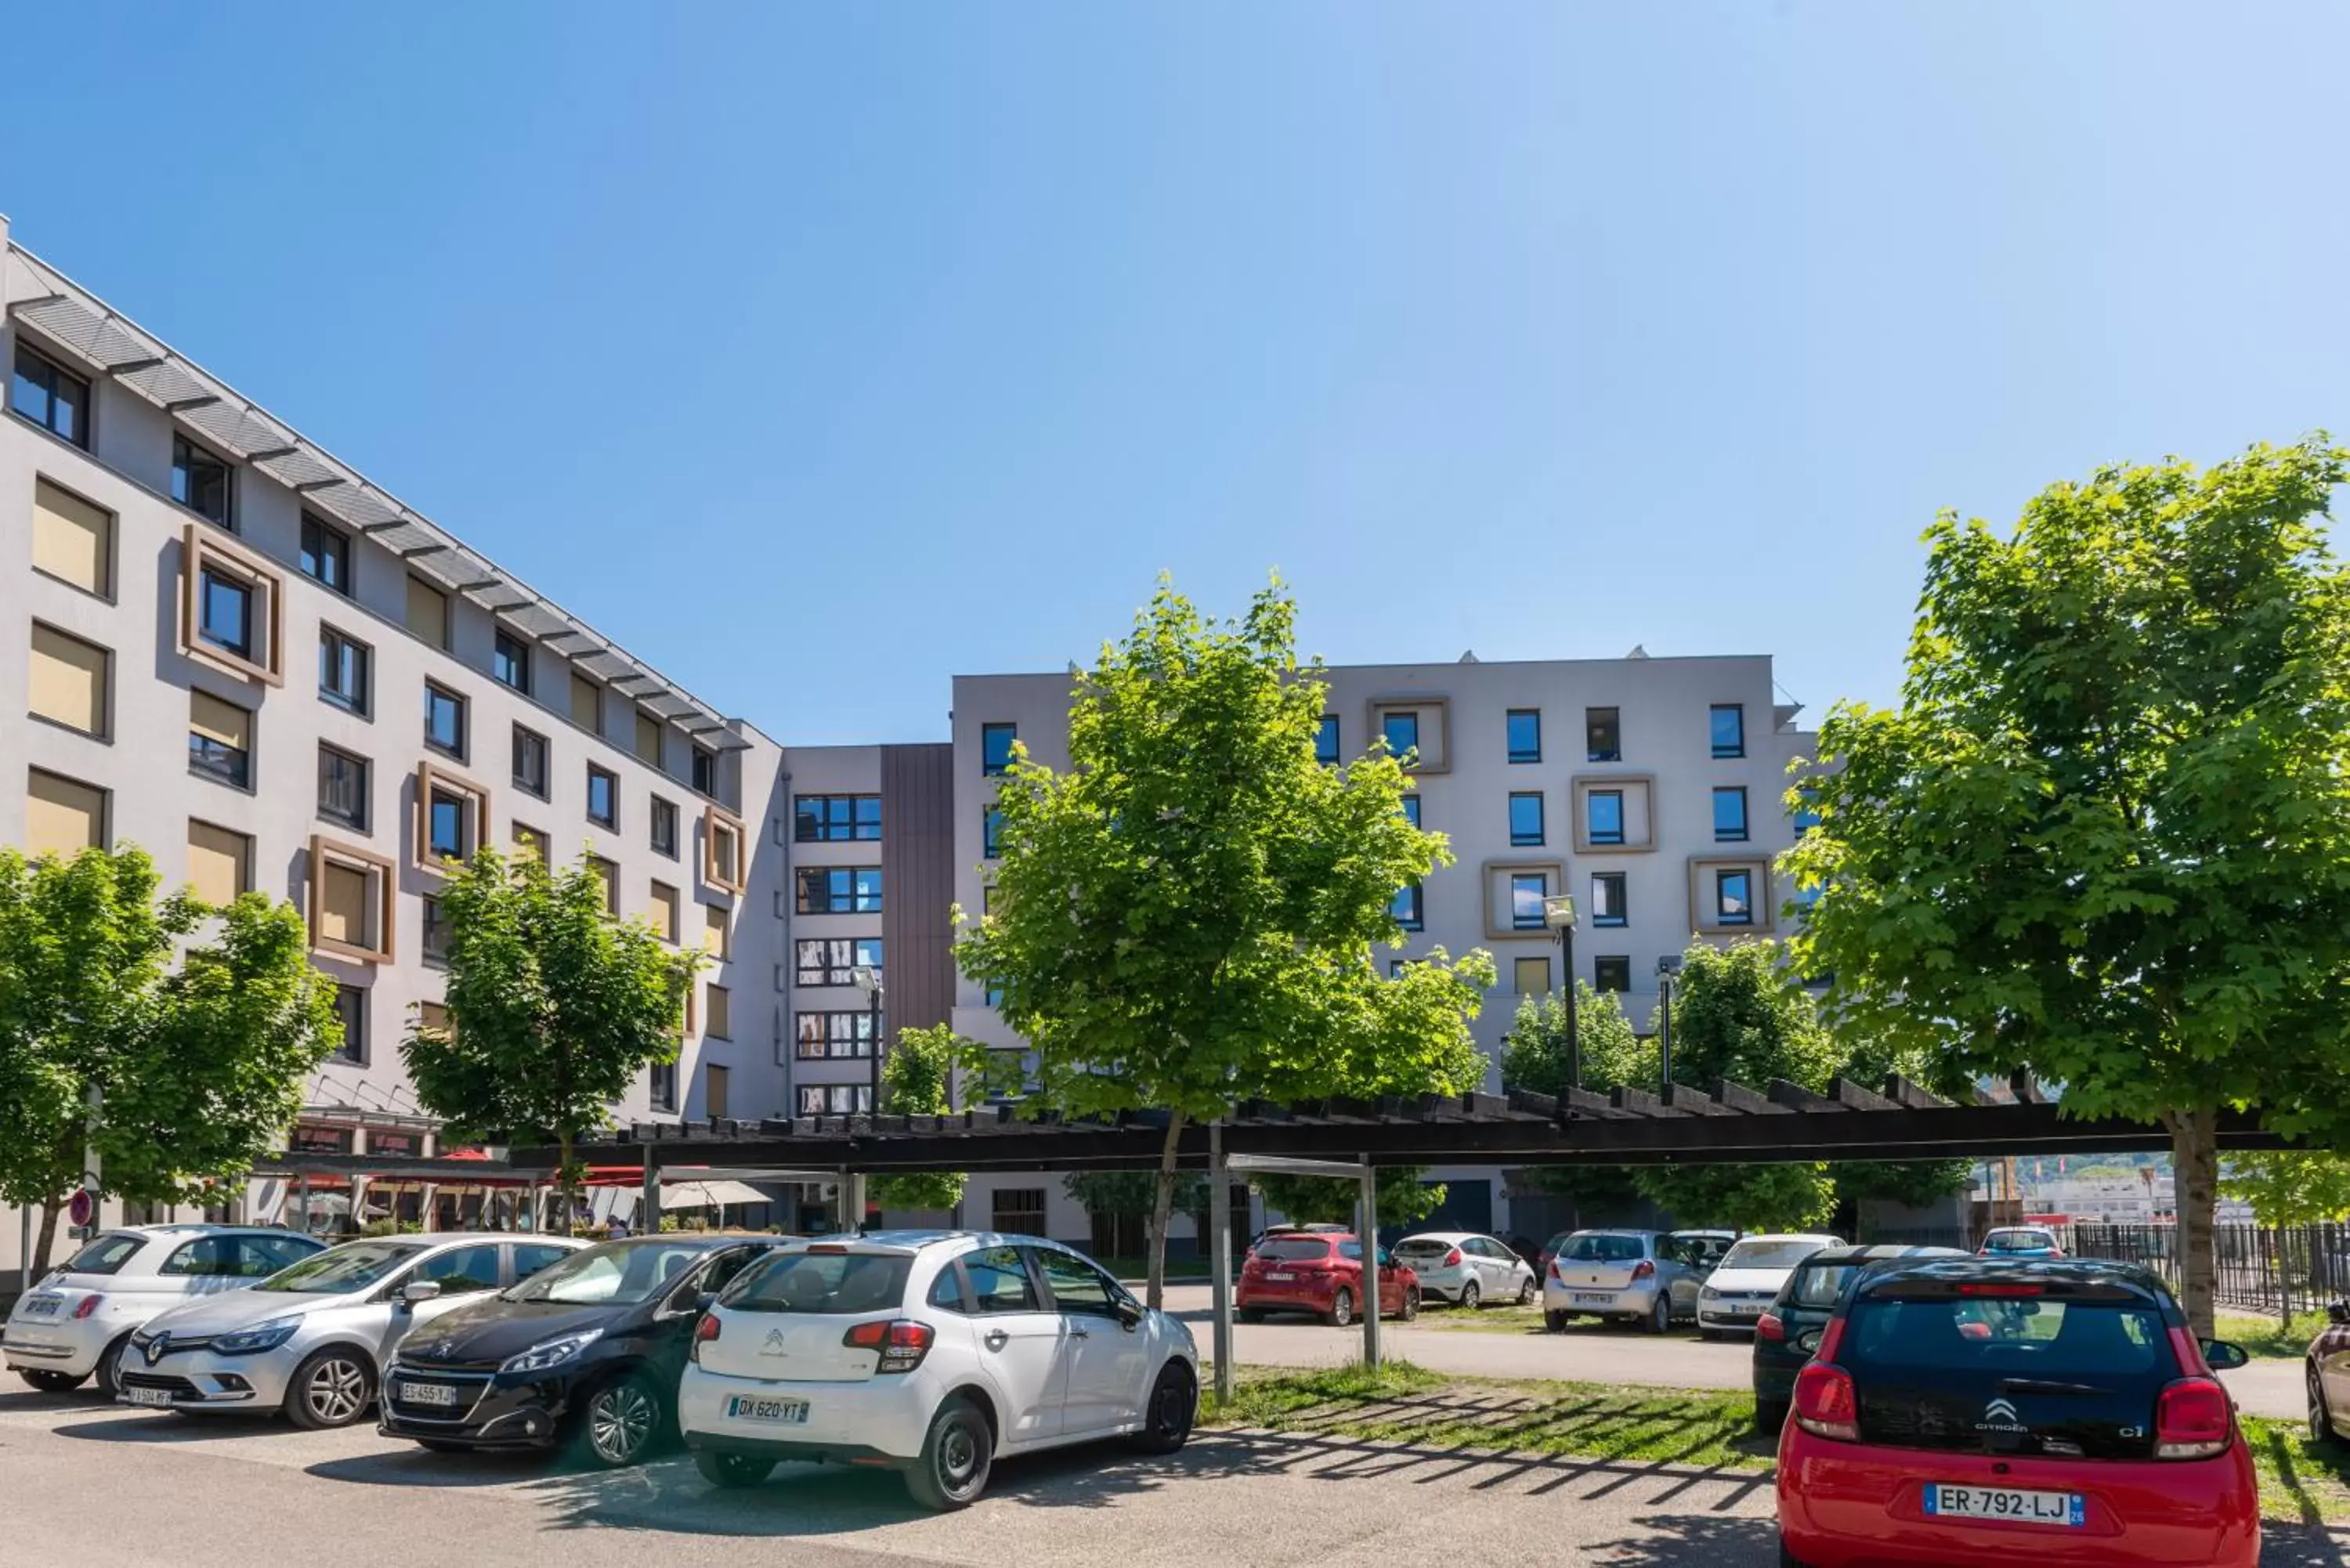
x,y
918,883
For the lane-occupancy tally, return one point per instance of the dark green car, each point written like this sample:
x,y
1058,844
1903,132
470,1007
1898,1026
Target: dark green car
x,y
1789,1331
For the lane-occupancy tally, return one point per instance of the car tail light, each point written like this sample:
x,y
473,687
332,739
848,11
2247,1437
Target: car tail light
x,y
1826,1404
1768,1326
900,1343
707,1329
2193,1420
1830,1337
1644,1270
1553,1270
1453,1259
89,1304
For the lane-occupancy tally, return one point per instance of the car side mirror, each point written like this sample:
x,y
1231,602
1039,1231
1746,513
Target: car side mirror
x,y
2224,1356
1387,1259
2338,1314
1808,1341
1128,1310
705,1301
417,1290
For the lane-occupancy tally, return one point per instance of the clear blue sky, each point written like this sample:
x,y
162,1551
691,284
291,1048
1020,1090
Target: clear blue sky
x,y
1542,330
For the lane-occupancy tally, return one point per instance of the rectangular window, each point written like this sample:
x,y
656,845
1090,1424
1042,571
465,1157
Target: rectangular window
x,y
444,720
200,481
1606,810
844,1034
609,876
840,889
1805,818
1728,729
51,396
350,903
1733,897
661,1086
446,835
427,612
510,661
1326,742
436,931
1526,735
530,841
343,669
224,612
452,819
220,864
717,932
1611,973
1608,906
350,1010
836,1099
1526,817
530,766
587,704
343,788
723,858
1527,891
664,827
231,611
1405,907
603,797
1531,976
72,541
63,817
432,1018
70,680
1729,813
705,770
326,555
833,960
664,912
220,740
1603,735
996,747
718,1014
1411,809
991,833
714,1095
835,818
1401,732
648,738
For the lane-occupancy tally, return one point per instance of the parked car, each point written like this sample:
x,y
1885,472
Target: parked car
x,y
311,1340
2326,1369
1747,1280
587,1352
2021,1242
76,1323
1320,1273
935,1352
1630,1276
1467,1268
1319,1228
1702,1251
1789,1331
1970,1411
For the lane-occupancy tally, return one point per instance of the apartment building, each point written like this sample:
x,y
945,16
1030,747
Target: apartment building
x,y
1652,790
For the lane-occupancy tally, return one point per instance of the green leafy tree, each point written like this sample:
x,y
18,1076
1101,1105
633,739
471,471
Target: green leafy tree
x,y
2106,837
1115,1195
916,1079
554,1007
1187,916
176,1078
1403,1198
1533,1058
2288,1188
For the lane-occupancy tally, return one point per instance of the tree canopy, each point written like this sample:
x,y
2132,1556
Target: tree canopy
x,y
2287,1189
1404,1198
917,1076
2105,836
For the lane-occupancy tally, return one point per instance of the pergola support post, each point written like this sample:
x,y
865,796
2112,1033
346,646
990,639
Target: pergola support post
x,y
1219,1260
852,1203
1368,1231
649,1209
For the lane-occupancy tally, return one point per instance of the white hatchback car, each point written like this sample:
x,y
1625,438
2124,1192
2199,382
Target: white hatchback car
x,y
78,1320
1747,1281
1467,1268
312,1340
932,1352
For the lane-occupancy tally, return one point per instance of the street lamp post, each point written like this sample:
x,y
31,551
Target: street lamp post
x,y
1558,914
868,980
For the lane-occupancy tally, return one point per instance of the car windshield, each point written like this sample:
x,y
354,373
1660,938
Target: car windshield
x,y
1295,1249
1593,1249
338,1271
830,1284
105,1254
1768,1254
617,1273
2020,1241
2005,1337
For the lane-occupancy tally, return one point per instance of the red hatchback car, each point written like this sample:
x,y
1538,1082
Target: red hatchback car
x,y
1322,1273
1970,1411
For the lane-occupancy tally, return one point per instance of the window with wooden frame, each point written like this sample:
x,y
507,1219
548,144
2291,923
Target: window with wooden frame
x,y
453,818
721,851
232,608
350,902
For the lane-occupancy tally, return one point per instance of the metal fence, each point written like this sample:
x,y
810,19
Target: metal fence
x,y
2254,1269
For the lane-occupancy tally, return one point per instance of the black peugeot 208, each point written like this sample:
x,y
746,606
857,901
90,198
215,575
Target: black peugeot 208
x,y
585,1353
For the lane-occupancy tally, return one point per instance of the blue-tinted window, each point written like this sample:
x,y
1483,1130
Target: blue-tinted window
x,y
1326,741
1729,729
444,720
510,661
603,797
1608,906
1405,907
54,398
1733,897
1411,809
991,832
224,614
1605,809
326,555
1808,812
1402,732
447,820
835,818
1527,891
995,746
1526,735
840,889
1729,813
1525,818
199,480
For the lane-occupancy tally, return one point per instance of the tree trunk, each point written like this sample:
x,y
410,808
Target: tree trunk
x,y
563,1178
48,1238
1163,1205
2195,1168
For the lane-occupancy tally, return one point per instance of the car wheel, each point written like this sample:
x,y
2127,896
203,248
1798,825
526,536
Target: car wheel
x,y
1251,1314
953,1469
1468,1292
332,1387
1167,1419
1770,1415
731,1470
1661,1316
109,1368
54,1382
2321,1419
1342,1309
1410,1305
619,1422
1554,1322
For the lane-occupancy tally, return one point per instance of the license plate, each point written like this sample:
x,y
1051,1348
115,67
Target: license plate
x,y
42,1306
1595,1298
158,1397
428,1394
2067,1509
1279,1279
748,1407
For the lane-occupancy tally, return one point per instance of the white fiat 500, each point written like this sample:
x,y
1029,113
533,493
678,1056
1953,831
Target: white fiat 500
x,y
932,1352
78,1320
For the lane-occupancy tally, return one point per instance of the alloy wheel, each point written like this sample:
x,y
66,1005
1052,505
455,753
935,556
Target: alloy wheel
x,y
621,1421
336,1391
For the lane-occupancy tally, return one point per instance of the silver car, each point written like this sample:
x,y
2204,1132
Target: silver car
x,y
76,1323
1464,1267
1647,1277
312,1340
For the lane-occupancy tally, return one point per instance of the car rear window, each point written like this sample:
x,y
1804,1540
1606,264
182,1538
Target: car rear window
x,y
1295,1249
1422,1248
1819,1285
105,1255
1768,1254
1606,1249
2018,1241
822,1284
2005,1337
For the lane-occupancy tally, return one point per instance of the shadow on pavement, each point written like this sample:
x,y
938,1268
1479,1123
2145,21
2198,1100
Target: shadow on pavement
x,y
1693,1541
32,1402
162,1427
2303,1546
410,1465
